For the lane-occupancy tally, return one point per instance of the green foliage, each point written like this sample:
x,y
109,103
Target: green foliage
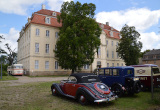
x,y
142,53
11,56
129,47
78,36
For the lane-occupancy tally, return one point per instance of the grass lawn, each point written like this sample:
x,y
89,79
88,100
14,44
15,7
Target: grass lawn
x,y
37,96
50,76
5,78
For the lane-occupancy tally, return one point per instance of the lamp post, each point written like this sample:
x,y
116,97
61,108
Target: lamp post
x,y
1,67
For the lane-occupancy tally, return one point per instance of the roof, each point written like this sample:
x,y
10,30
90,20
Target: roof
x,y
107,29
117,67
153,52
145,65
86,77
39,18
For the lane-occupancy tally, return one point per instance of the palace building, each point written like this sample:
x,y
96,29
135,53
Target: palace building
x,y
37,41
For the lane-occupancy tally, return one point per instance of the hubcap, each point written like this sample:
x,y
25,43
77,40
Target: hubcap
x,y
54,90
82,98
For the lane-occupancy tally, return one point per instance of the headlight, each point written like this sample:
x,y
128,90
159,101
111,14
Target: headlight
x,y
135,79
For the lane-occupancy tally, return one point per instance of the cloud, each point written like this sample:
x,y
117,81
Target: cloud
x,y
10,38
21,7
56,4
150,40
142,18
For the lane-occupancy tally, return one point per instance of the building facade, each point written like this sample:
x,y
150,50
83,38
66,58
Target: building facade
x,y
152,57
38,38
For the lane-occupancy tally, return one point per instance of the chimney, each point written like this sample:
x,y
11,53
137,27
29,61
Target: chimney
x,y
107,23
43,6
29,19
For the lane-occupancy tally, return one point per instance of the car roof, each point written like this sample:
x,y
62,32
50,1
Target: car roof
x,y
145,65
83,77
117,67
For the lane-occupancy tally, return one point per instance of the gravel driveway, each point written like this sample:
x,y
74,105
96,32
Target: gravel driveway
x,y
25,79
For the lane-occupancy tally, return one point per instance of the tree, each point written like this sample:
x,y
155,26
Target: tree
x,y
142,53
129,47
78,36
11,56
1,50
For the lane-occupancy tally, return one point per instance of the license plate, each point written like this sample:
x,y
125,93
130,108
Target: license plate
x,y
112,98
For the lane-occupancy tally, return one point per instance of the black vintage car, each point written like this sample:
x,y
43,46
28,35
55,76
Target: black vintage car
x,y
86,87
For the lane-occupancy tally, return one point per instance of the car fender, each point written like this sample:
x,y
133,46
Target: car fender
x,y
82,90
59,90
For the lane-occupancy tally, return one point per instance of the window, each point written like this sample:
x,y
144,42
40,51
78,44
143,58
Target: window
x,y
117,43
55,47
56,65
36,47
106,42
36,64
112,43
108,72
112,64
117,55
86,66
47,48
47,65
56,34
129,71
107,54
122,64
99,52
101,71
37,32
107,64
115,72
47,20
111,33
112,54
117,64
47,33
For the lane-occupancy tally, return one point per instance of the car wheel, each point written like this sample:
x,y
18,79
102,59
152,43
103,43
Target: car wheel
x,y
54,91
137,86
82,99
117,89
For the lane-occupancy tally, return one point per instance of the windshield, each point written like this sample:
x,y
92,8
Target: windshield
x,y
155,70
18,67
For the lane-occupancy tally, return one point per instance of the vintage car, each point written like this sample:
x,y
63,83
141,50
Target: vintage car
x,y
144,72
120,79
85,87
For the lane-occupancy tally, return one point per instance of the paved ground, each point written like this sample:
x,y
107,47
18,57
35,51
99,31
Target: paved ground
x,y
25,79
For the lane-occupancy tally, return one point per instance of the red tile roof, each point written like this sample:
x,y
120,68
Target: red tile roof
x,y
39,18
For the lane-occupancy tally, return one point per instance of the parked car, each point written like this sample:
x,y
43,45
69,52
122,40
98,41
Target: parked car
x,y
85,87
120,79
144,72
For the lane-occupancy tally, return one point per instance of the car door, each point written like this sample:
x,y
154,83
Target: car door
x,y
70,86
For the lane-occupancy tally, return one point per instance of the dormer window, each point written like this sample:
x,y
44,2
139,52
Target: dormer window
x,y
102,26
54,14
47,20
111,33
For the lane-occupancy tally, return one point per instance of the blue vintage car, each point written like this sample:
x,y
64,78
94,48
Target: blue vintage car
x,y
120,79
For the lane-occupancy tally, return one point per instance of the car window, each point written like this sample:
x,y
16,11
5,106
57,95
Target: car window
x,y
72,79
115,72
108,72
101,71
129,71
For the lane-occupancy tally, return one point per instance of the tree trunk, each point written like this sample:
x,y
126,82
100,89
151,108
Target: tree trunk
x,y
72,71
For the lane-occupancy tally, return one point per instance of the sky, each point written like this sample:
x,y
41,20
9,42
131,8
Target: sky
x,y
143,14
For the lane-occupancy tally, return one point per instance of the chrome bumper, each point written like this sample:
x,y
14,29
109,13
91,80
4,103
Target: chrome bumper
x,y
107,99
